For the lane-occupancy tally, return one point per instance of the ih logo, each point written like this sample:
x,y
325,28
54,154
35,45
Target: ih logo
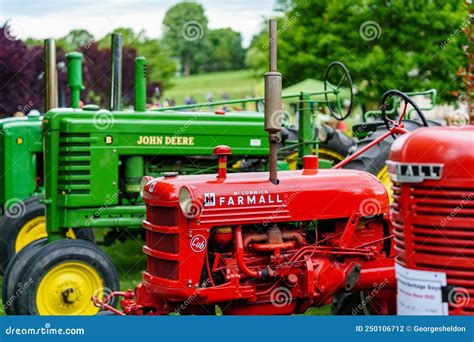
x,y
198,243
209,199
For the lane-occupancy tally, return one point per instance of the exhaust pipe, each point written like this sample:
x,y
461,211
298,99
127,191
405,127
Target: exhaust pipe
x,y
51,75
273,105
116,66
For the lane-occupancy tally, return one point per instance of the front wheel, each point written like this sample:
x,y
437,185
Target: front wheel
x,y
63,276
360,303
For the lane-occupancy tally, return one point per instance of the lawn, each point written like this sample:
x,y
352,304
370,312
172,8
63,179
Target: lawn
x,y
235,84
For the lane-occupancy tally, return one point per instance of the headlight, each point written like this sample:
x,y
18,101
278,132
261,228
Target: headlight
x,y
191,207
144,182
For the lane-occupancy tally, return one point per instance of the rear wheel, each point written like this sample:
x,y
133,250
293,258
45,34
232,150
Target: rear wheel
x,y
26,225
63,276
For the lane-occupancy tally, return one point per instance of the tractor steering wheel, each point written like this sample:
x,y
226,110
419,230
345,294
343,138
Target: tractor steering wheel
x,y
393,125
335,88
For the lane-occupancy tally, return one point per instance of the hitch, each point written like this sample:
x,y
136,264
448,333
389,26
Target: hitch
x,y
127,295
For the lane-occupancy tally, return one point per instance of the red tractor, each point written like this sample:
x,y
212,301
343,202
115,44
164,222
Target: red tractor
x,y
254,244
433,175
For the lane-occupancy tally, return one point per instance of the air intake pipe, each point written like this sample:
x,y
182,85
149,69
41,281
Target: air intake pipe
x,y
116,67
51,75
140,84
74,77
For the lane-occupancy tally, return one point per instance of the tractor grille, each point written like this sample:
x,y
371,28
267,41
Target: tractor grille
x,y
74,163
163,241
434,231
162,216
168,243
167,269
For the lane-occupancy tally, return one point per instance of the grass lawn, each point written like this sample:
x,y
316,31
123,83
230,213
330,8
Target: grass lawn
x,y
130,262
236,84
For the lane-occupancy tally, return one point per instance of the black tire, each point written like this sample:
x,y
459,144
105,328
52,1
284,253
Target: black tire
x,y
60,253
11,225
360,303
12,288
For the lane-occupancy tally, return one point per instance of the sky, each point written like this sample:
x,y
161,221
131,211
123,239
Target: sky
x,y
42,19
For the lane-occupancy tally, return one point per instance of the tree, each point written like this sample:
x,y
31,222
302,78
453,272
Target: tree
x,y
185,36
75,39
406,45
21,75
226,51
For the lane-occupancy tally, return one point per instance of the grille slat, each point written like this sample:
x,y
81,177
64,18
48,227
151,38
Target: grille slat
x,y
74,163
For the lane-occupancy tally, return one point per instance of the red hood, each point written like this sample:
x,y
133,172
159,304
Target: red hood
x,y
301,195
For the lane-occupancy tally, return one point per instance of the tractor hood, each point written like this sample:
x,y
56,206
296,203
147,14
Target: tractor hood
x,y
250,198
433,153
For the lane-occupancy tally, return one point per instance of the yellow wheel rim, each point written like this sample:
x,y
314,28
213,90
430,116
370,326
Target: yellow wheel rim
x,y
323,153
330,155
32,230
67,289
384,178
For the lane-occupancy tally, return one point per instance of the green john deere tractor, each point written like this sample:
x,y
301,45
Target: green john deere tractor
x,y
94,160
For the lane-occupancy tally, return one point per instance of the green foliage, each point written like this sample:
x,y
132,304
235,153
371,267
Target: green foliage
x,y
195,46
226,52
405,45
75,39
185,35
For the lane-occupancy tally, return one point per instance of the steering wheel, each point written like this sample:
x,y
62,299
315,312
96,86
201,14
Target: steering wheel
x,y
340,76
392,125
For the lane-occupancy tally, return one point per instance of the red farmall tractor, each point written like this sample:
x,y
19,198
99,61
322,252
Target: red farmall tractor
x,y
433,213
259,243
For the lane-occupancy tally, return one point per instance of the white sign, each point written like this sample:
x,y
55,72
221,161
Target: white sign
x,y
255,142
419,292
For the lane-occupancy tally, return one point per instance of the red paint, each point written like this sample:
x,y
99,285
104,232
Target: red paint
x,y
434,218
